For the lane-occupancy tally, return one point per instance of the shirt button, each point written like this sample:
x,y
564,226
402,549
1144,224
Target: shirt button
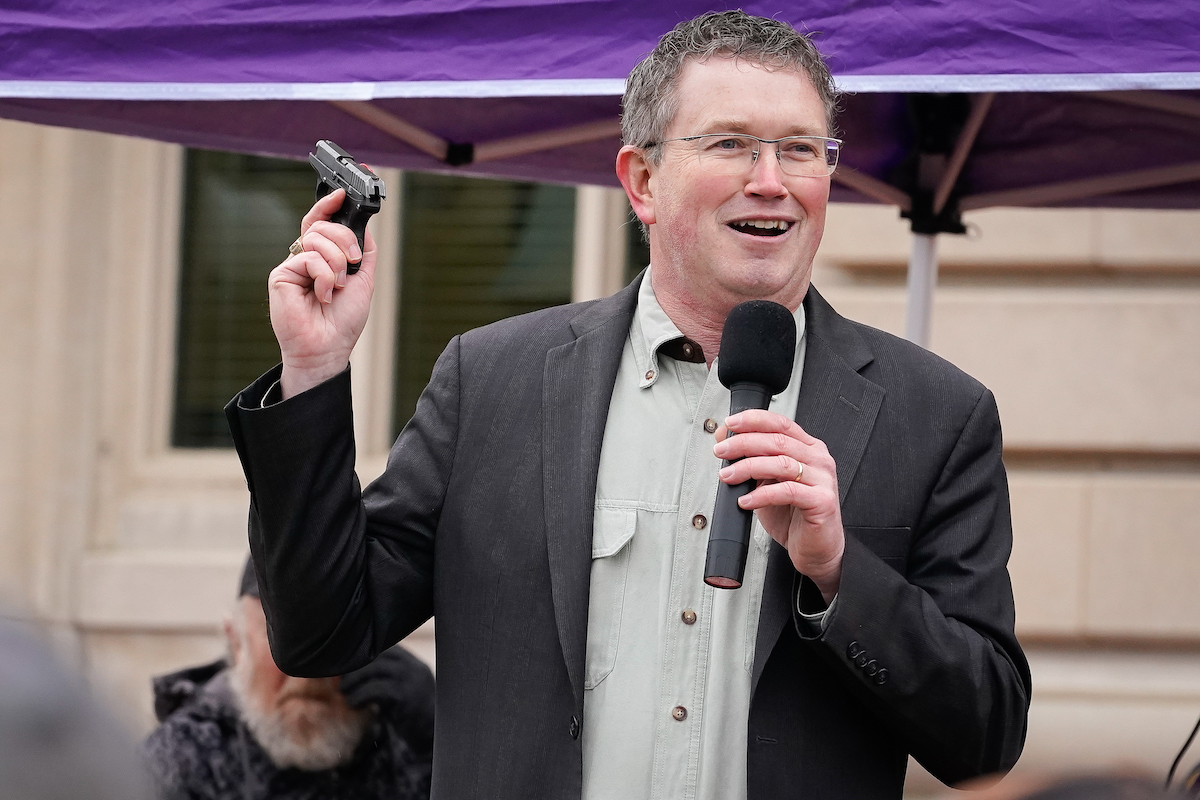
x,y
679,713
699,521
710,426
687,349
649,374
689,617
574,727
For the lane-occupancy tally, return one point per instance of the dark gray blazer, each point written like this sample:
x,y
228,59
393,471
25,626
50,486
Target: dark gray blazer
x,y
484,519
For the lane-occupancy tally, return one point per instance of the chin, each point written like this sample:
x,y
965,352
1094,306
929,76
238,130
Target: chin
x,y
310,734
306,716
768,281
307,732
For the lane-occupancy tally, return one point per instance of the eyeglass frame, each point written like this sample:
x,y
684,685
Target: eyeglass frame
x,y
761,141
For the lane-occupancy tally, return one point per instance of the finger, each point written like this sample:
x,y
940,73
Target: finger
x,y
746,445
364,277
722,433
301,269
292,270
765,421
769,468
316,241
753,444
341,236
369,243
791,493
311,270
323,209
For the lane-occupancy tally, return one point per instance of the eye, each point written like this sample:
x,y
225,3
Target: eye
x,y
727,144
800,148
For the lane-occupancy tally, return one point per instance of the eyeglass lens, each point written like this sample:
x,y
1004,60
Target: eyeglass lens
x,y
802,156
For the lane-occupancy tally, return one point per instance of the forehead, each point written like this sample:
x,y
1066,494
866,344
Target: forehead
x,y
730,95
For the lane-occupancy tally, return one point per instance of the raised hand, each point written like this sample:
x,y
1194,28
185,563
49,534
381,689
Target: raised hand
x,y
797,505
317,310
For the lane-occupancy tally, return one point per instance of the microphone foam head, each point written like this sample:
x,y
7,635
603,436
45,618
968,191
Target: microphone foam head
x,y
758,345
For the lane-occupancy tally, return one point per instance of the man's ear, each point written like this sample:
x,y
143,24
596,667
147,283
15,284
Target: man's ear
x,y
233,640
637,177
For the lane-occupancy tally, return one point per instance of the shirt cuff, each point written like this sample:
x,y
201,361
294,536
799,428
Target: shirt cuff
x,y
273,395
817,621
812,614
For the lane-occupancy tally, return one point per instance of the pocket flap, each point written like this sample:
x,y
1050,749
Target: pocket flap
x,y
890,544
612,530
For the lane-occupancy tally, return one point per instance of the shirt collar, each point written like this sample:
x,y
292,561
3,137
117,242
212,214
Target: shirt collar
x,y
652,328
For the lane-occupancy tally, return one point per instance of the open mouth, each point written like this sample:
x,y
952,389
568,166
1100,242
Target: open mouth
x,y
762,227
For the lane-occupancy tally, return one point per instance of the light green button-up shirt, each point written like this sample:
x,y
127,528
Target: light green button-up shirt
x,y
667,684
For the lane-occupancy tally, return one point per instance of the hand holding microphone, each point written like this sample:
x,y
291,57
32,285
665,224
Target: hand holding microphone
x,y
758,345
772,467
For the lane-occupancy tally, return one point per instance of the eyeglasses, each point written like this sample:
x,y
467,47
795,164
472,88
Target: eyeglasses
x,y
737,153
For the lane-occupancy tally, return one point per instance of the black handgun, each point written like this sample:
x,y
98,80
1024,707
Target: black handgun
x,y
337,169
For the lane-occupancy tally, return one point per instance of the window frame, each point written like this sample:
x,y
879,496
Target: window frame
x,y
601,229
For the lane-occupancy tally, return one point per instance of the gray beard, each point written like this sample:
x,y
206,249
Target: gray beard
x,y
332,743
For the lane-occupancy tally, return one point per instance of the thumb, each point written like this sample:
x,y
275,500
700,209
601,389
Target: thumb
x,y
323,209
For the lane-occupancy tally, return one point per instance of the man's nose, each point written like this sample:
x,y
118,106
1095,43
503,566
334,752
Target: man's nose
x,y
766,174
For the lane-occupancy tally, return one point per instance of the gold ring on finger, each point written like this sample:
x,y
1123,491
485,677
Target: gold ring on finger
x,y
296,247
799,471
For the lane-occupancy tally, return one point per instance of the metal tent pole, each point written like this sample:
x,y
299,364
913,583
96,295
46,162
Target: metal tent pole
x,y
946,127
922,280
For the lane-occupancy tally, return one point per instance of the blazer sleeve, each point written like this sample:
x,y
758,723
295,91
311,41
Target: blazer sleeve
x,y
933,651
343,574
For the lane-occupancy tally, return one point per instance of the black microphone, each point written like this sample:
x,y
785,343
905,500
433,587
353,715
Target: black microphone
x,y
758,346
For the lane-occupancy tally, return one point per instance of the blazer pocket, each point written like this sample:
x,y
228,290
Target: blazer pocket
x,y
890,544
612,531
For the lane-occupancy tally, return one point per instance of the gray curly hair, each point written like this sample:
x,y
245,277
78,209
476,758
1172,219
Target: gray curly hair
x,y
651,100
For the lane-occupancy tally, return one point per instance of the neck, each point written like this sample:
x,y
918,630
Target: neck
x,y
703,319
699,322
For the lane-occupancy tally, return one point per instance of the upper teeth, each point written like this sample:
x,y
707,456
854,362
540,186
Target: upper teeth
x,y
766,223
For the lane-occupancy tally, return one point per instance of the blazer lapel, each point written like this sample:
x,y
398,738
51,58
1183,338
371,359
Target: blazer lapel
x,y
577,388
838,406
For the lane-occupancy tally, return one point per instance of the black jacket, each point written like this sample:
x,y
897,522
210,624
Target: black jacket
x,y
484,516
203,751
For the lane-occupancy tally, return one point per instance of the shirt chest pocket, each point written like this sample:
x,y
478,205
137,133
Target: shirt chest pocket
x,y
611,535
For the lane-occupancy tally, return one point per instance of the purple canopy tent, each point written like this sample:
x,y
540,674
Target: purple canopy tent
x,y
955,104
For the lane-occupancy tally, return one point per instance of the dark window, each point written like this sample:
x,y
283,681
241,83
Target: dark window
x,y
240,214
474,251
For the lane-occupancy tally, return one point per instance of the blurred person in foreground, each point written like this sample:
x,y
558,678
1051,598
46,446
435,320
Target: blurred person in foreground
x,y
1089,786
242,730
56,741
550,498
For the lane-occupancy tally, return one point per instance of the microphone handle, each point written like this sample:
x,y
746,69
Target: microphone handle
x,y
729,534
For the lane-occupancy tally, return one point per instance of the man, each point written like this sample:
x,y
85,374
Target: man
x,y
244,730
550,496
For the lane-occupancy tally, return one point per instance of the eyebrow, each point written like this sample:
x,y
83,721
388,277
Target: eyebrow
x,y
737,126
